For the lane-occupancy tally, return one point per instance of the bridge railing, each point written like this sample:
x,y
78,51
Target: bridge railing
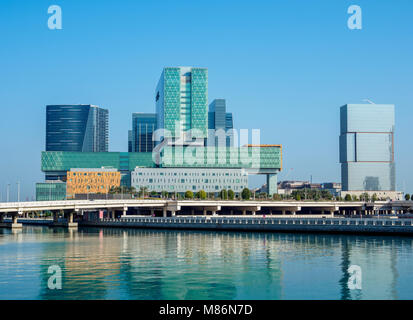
x,y
266,221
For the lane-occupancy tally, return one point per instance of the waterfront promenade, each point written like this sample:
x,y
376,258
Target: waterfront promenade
x,y
379,225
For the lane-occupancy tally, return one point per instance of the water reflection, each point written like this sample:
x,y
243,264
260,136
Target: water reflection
x,y
150,264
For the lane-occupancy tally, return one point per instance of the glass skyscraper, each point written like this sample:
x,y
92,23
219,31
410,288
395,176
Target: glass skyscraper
x,y
219,119
181,102
81,128
367,147
143,127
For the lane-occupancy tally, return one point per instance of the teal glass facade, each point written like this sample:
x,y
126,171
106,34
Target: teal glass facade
x,y
171,157
232,157
267,160
50,191
367,147
181,101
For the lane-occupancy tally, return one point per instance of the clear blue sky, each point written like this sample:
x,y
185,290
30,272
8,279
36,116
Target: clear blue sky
x,y
284,67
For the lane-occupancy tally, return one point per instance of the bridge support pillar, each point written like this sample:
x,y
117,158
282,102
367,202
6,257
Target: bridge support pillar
x,y
283,212
214,212
244,212
272,184
232,212
64,224
14,223
173,213
270,212
204,212
192,212
164,212
293,212
332,213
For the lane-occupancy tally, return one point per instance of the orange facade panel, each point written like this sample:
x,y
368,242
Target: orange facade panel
x,y
81,182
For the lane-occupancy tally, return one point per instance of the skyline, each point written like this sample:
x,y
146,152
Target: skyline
x,y
315,59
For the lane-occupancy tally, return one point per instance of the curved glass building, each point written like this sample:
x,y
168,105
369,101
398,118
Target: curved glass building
x,y
78,128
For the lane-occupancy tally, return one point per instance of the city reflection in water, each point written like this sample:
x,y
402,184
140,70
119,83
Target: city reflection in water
x,y
151,264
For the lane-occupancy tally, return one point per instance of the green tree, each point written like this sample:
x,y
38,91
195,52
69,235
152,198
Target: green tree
x,y
354,198
364,197
325,194
189,195
202,195
298,197
276,197
246,194
231,194
407,197
347,197
374,198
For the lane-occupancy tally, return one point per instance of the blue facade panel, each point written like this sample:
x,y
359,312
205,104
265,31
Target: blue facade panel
x,y
367,147
143,127
368,176
79,128
374,147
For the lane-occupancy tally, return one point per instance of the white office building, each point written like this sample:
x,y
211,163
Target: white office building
x,y
192,179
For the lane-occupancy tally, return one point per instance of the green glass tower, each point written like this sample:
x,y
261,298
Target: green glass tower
x,y
182,104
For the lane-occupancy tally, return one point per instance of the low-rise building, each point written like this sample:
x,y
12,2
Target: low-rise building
x,y
193,179
379,195
333,187
91,180
50,191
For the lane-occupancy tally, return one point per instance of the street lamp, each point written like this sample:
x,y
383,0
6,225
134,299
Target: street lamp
x,y
8,192
18,191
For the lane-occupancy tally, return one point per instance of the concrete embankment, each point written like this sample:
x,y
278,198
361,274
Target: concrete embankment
x,y
329,225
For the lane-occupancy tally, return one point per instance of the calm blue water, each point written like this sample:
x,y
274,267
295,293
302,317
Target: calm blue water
x,y
147,264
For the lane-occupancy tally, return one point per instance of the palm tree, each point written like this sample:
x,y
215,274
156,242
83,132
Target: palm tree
x,y
142,191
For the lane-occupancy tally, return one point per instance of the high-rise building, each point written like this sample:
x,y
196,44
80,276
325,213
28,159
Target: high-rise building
x,y
181,104
220,125
82,128
367,147
143,127
130,140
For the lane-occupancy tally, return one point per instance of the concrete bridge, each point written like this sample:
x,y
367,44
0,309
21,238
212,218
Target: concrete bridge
x,y
171,208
